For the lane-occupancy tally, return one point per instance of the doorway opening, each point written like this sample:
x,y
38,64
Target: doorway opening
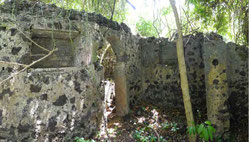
x,y
108,60
116,101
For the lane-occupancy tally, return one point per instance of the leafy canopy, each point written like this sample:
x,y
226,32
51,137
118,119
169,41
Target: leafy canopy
x,y
226,17
104,7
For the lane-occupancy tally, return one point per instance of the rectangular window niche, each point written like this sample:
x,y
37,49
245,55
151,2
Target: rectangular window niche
x,y
168,55
65,41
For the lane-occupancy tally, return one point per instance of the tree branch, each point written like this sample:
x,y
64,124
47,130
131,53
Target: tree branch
x,y
33,41
130,4
12,63
30,39
28,66
113,9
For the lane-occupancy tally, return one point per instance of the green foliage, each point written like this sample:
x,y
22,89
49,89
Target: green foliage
x,y
144,135
228,18
103,7
174,127
167,125
78,139
166,11
138,135
204,130
155,27
146,28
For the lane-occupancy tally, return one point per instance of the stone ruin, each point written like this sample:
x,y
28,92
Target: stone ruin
x,y
63,95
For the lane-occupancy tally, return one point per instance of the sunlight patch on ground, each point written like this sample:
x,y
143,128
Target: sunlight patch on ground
x,y
140,120
109,89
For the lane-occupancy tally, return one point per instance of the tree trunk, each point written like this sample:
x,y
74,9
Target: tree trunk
x,y
183,73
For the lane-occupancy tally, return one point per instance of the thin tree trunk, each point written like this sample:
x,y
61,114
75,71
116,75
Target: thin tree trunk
x,y
183,73
113,9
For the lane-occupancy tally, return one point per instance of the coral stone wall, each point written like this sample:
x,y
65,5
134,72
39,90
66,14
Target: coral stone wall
x,y
50,104
238,80
161,79
62,96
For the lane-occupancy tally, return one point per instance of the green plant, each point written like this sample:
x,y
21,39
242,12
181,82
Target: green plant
x,y
172,125
144,135
143,108
165,125
78,139
140,137
205,131
148,28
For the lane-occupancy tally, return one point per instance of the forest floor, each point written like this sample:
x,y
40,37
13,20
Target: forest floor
x,y
147,123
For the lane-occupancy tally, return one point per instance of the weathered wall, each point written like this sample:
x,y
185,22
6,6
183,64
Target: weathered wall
x,y
46,104
238,80
218,83
161,79
51,102
64,96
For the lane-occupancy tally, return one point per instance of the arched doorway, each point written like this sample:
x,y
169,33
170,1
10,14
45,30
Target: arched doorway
x,y
107,59
116,94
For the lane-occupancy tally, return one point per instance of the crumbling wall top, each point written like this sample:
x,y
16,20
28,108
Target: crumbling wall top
x,y
15,8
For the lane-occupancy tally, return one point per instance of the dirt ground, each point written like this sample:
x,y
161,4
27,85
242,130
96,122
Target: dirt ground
x,y
146,122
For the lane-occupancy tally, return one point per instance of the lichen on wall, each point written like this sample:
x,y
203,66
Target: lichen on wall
x,y
62,96
57,100
49,104
222,91
216,80
238,81
161,79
